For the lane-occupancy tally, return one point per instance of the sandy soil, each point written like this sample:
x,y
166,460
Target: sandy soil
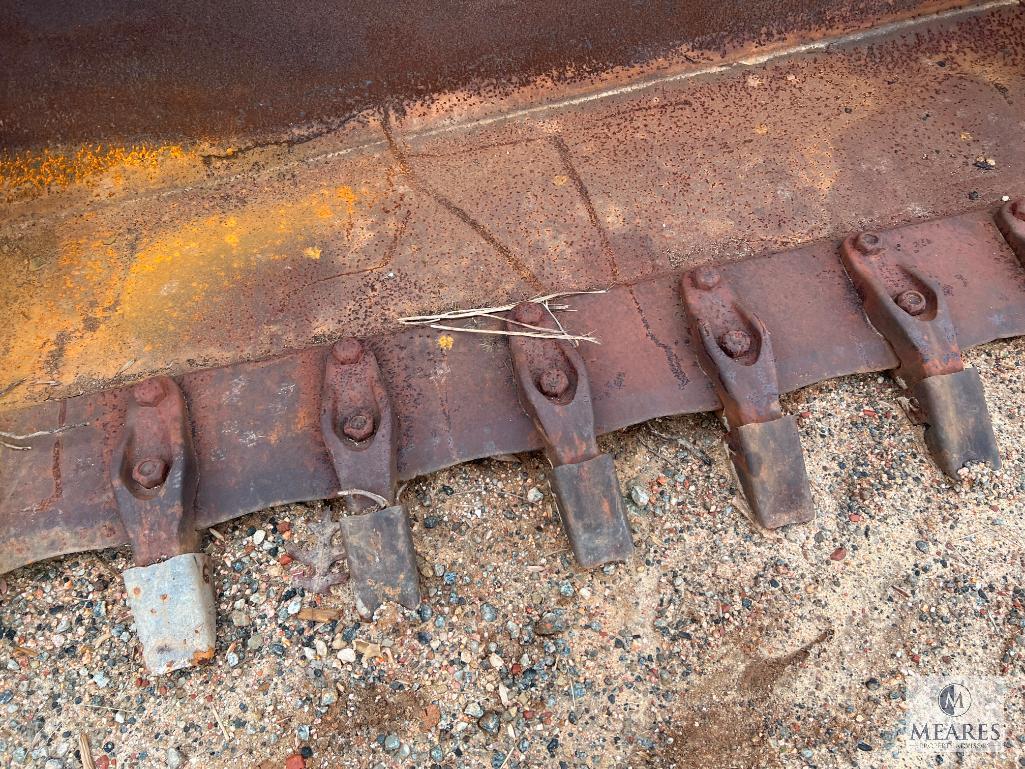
x,y
717,645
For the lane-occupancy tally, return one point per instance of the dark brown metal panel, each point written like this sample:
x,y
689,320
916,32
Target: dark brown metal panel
x,y
257,434
981,279
146,69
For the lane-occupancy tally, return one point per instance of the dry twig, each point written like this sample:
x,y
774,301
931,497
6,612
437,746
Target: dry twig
x,y
421,320
30,436
85,752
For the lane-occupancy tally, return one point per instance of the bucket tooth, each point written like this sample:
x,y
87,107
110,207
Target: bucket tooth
x,y
153,474
358,426
735,352
381,559
909,309
554,390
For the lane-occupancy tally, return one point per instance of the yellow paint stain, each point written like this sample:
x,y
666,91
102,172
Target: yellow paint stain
x,y
560,180
761,129
104,300
445,342
965,136
42,170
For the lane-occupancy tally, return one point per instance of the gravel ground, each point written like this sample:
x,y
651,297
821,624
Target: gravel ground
x,y
718,645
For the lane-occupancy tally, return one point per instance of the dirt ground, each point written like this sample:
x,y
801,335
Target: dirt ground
x,y
718,645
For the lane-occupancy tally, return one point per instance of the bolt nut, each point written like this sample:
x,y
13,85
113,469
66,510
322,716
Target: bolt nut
x,y
1018,209
528,312
150,472
553,382
912,302
149,393
358,426
347,350
706,278
868,243
735,343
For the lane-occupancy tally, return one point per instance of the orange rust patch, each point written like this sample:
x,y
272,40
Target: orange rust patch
x,y
200,657
48,169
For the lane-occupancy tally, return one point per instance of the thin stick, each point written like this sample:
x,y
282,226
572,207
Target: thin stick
x,y
40,433
523,325
220,723
377,498
416,319
495,332
85,752
16,448
11,386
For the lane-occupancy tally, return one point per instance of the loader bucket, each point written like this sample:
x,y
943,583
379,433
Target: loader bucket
x,y
258,258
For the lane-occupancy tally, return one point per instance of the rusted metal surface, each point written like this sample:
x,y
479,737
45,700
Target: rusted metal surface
x,y
256,426
357,423
153,473
216,257
735,352
258,68
1011,222
555,391
908,305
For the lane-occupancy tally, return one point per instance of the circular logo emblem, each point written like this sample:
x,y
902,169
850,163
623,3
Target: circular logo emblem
x,y
955,700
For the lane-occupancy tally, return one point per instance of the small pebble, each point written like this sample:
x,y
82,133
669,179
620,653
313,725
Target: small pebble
x,y
639,495
550,624
490,723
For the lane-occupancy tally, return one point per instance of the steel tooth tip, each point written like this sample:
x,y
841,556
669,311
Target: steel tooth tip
x,y
347,351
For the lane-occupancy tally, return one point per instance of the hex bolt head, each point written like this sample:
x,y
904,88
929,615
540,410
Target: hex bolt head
x,y
149,393
1018,209
358,426
347,351
912,302
150,472
528,312
706,278
735,343
553,382
868,243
